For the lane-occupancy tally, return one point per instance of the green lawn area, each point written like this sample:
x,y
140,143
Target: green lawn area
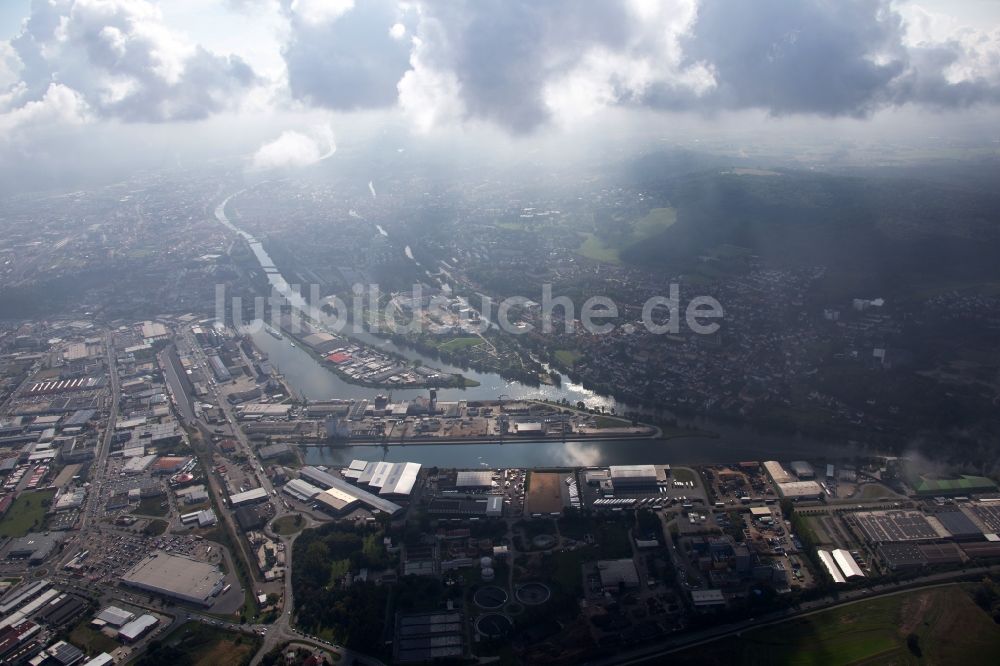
x,y
611,422
155,527
647,226
459,343
567,357
287,524
151,506
27,513
593,248
90,640
683,474
655,221
875,491
950,629
202,645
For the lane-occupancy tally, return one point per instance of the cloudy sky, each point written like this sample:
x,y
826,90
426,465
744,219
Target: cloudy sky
x,y
282,83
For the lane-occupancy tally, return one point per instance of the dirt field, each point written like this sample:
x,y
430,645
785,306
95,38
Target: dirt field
x,y
544,493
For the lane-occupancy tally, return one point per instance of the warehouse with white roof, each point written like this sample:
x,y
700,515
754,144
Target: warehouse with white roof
x,y
830,566
401,479
632,475
248,497
338,501
176,576
847,565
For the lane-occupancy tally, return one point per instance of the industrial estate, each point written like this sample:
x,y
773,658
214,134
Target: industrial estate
x,y
158,473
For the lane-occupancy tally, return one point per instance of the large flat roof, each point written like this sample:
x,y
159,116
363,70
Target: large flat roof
x,y
474,479
176,576
327,481
401,479
249,496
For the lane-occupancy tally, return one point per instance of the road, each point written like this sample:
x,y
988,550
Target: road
x,y
281,631
658,652
93,501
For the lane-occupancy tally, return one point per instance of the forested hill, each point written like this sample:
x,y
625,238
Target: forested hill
x,y
890,230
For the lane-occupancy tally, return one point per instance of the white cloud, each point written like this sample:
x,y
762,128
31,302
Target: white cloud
x,y
10,66
318,12
397,31
124,61
294,149
427,96
58,106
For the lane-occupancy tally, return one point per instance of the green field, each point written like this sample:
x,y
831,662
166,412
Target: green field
x,y
26,514
609,250
949,629
151,506
683,474
611,422
567,357
90,640
201,645
287,524
459,343
155,527
593,248
655,221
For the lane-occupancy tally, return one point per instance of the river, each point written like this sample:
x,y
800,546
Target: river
x,y
313,381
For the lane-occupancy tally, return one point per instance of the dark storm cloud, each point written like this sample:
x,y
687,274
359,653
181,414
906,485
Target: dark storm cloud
x,y
832,58
792,56
504,52
351,62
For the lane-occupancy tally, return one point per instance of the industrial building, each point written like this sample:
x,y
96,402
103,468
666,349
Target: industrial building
x,y
114,616
388,479
301,490
707,598
337,501
848,567
35,547
474,480
176,576
219,369
802,469
489,506
901,525
959,525
901,556
800,490
423,637
627,476
259,410
204,518
400,480
249,497
777,472
328,481
137,628
830,566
